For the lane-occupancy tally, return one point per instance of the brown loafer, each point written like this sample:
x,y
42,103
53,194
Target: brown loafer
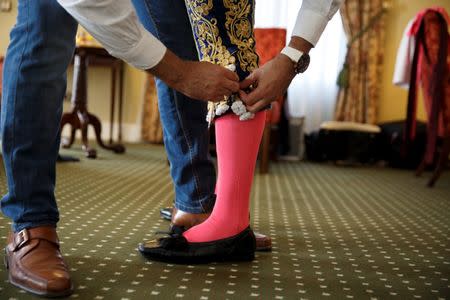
x,y
187,220
35,263
263,242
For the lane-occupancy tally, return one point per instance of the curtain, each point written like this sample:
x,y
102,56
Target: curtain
x,y
359,94
151,129
312,94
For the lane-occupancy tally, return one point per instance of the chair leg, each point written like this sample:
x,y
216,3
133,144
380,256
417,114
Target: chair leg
x,y
442,162
89,152
265,145
421,167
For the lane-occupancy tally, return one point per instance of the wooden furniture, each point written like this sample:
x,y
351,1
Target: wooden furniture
x,y
80,117
269,43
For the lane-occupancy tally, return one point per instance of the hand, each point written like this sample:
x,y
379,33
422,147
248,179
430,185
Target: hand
x,y
207,81
198,80
270,82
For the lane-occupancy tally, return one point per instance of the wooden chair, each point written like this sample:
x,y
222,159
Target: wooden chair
x,y
435,79
269,43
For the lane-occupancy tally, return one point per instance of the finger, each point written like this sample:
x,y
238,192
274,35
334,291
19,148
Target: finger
x,y
242,94
221,94
231,75
247,82
232,86
258,106
253,97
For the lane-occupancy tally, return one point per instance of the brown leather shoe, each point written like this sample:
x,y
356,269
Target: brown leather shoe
x,y
187,220
263,242
35,263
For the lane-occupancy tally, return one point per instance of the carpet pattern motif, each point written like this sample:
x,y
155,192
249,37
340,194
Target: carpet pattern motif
x,y
344,233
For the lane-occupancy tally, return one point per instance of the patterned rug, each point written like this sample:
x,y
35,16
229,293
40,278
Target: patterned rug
x,y
342,233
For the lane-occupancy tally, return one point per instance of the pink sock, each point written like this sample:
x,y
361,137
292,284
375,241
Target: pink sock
x,y
237,144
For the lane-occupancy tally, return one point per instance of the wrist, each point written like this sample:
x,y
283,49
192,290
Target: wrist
x,y
179,77
300,44
171,69
299,59
289,66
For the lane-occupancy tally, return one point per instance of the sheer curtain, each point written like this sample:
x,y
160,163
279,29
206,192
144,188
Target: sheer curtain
x,y
312,94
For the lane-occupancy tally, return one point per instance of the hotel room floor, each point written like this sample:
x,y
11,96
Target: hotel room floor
x,y
342,233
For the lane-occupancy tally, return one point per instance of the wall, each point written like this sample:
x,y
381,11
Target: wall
x,y
7,19
393,99
99,89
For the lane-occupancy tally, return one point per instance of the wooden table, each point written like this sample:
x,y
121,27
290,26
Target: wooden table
x,y
80,117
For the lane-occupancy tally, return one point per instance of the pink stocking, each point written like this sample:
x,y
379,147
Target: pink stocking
x,y
237,145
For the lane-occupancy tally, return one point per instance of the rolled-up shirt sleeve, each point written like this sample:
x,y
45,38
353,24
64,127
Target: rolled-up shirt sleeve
x,y
313,17
115,25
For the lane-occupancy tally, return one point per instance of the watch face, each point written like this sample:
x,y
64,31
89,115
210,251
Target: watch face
x,y
302,63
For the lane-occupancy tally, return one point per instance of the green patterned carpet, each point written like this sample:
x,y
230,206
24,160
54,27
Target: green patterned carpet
x,y
341,233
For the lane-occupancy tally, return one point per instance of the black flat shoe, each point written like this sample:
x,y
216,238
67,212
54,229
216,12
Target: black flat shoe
x,y
176,249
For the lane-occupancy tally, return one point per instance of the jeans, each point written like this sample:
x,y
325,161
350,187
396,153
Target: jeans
x,y
34,84
184,123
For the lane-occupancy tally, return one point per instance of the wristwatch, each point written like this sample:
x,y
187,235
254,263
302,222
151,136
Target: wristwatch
x,y
300,59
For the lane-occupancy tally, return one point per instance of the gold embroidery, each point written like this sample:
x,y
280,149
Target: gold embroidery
x,y
240,32
209,42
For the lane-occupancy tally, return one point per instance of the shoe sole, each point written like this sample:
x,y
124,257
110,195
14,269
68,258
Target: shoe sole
x,y
34,292
234,249
187,260
264,249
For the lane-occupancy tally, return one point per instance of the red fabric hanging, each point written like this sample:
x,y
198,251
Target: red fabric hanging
x,y
431,69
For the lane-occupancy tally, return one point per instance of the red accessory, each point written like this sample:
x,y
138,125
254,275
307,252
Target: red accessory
x,y
432,71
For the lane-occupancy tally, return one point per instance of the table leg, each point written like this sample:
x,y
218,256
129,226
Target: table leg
x,y
120,101
79,117
113,103
84,122
71,119
95,122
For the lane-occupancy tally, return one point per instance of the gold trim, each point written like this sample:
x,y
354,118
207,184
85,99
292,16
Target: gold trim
x,y
209,43
240,32
208,40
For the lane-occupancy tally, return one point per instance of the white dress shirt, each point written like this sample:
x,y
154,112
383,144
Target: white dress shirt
x,y
115,25
405,55
313,17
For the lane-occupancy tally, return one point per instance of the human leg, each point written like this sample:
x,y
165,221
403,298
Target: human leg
x,y
185,130
225,235
224,35
34,83
169,21
237,144
223,31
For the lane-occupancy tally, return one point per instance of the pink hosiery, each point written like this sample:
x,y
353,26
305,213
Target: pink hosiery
x,y
237,144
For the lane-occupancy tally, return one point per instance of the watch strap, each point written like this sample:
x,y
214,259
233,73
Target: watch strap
x,y
292,53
